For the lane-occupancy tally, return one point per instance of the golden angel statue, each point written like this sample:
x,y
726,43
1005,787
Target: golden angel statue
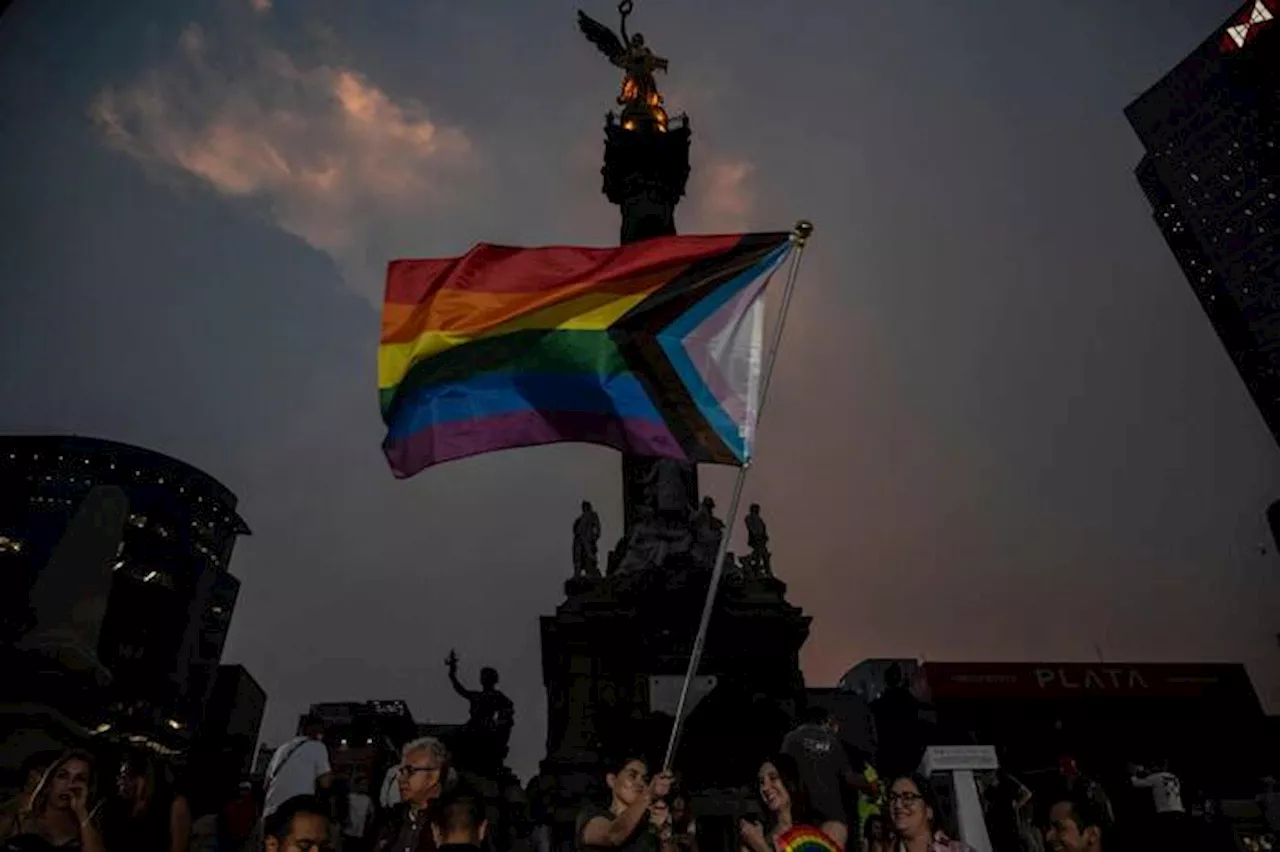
x,y
640,99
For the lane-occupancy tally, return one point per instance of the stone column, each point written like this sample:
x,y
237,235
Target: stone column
x,y
645,171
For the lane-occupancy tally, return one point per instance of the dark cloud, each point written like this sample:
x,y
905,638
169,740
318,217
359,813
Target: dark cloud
x,y
1000,428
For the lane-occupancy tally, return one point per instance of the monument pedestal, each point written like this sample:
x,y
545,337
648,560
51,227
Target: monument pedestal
x,y
612,658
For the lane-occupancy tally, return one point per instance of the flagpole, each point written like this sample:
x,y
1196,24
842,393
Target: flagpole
x,y
799,237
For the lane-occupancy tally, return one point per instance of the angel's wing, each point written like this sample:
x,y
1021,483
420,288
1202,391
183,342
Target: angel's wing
x,y
601,36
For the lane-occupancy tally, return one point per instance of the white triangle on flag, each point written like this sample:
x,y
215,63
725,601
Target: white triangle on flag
x,y
1237,33
1260,13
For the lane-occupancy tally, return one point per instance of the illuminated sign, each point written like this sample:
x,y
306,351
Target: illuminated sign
x,y
1068,680
1245,27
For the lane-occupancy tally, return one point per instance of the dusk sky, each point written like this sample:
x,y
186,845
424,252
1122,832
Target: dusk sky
x,y
1001,427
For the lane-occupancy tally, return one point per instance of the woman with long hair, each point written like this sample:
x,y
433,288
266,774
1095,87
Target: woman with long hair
x,y
876,836
147,815
913,810
786,806
59,816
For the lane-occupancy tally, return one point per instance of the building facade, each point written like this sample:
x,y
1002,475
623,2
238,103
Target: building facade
x,y
1211,174
163,612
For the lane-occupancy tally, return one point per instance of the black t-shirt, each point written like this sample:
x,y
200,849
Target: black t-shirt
x,y
641,840
823,765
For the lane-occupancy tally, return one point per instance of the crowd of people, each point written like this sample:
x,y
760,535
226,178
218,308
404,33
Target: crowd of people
x,y
814,790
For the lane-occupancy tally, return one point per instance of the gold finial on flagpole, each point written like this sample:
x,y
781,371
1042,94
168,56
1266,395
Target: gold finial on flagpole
x,y
802,231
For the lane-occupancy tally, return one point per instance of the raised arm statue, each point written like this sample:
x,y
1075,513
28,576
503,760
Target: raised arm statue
x,y
491,714
640,99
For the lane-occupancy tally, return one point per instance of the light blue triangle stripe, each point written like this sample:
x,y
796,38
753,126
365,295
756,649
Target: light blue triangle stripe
x,y
671,340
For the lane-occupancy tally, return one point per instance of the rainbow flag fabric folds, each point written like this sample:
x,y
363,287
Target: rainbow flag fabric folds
x,y
653,348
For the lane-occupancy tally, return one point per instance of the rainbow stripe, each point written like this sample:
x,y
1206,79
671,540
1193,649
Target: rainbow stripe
x,y
806,838
653,348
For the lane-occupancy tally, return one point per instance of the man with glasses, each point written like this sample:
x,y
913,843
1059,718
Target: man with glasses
x,y
424,774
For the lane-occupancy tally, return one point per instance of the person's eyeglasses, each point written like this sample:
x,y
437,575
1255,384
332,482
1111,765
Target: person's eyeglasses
x,y
905,799
408,769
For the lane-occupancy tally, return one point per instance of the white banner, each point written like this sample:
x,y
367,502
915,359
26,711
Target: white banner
x,y
664,692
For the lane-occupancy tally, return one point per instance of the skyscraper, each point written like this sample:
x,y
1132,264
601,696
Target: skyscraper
x,y
1211,173
170,597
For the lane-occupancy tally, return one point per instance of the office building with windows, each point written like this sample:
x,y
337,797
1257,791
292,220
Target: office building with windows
x,y
1212,174
156,583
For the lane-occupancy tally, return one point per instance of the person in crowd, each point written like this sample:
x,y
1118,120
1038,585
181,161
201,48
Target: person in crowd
x,y
626,823
538,793
300,767
1166,792
426,772
661,826
875,834
1075,824
298,824
901,731
338,799
1269,802
31,772
389,793
359,814
1008,805
867,783
825,771
458,822
683,825
59,815
913,810
1079,783
237,819
786,805
147,815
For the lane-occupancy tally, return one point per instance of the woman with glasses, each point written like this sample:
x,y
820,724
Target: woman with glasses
x,y
913,809
786,806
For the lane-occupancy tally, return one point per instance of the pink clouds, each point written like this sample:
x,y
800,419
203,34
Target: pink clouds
x,y
329,154
723,197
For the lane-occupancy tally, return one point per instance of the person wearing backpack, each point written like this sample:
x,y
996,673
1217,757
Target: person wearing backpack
x,y
300,767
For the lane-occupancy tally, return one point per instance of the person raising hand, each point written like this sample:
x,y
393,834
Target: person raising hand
x,y
626,824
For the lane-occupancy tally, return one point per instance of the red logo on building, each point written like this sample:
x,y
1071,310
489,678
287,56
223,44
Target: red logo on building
x,y
1245,27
